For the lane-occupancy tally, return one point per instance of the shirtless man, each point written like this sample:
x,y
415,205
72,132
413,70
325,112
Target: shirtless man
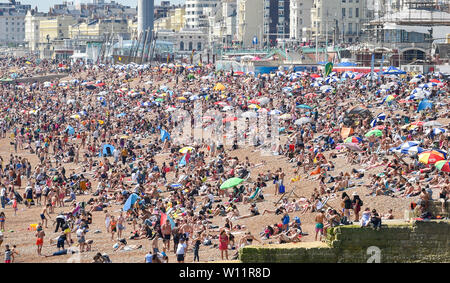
x,y
319,224
40,234
120,225
166,231
43,218
186,230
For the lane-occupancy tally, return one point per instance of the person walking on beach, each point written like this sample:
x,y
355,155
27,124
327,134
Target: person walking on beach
x,y
181,250
319,224
166,232
223,243
43,218
2,221
40,234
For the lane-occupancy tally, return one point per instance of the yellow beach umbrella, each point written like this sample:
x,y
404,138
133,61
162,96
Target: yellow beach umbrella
x,y
254,106
219,86
186,149
101,122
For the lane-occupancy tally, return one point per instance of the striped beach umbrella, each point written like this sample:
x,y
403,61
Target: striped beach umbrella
x,y
431,157
443,165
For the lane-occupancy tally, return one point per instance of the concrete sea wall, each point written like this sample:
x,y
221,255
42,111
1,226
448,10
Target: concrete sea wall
x,y
401,242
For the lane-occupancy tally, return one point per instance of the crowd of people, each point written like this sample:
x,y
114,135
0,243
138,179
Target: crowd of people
x,y
108,139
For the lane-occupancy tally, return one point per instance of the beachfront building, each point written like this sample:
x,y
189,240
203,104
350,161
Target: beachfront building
x,y
52,32
12,22
99,29
198,13
338,21
276,18
413,30
249,23
174,21
223,24
300,20
185,40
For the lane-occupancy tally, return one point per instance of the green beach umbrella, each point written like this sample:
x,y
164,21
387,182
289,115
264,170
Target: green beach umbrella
x,y
376,133
159,100
443,165
232,182
190,76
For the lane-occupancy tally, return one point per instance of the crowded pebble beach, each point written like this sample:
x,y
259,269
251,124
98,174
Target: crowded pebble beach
x,y
182,163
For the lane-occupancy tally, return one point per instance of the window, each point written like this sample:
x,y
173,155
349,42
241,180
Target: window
x,y
343,12
181,46
350,28
199,46
356,12
190,45
350,12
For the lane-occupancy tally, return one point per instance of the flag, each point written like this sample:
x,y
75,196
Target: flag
x,y
164,135
185,159
328,68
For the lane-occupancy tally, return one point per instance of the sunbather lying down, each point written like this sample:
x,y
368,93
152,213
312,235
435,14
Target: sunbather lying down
x,y
292,236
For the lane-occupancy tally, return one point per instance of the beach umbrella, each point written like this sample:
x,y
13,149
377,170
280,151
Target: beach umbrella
x,y
121,115
414,80
227,108
275,112
186,149
182,98
190,76
176,186
229,119
432,124
424,104
286,116
107,150
249,114
75,116
316,84
130,202
263,101
287,89
253,101
70,130
376,133
232,182
437,131
388,98
413,150
254,106
443,165
353,139
303,106
159,100
418,123
310,95
262,110
303,120
431,157
124,137
351,146
194,97
219,86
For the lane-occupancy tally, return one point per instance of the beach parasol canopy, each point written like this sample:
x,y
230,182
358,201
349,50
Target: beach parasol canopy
x,y
432,124
303,120
304,106
130,201
219,86
232,182
249,114
431,157
254,106
413,150
353,139
437,131
376,133
351,146
186,149
443,165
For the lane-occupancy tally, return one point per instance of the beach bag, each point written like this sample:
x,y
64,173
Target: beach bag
x,y
281,189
